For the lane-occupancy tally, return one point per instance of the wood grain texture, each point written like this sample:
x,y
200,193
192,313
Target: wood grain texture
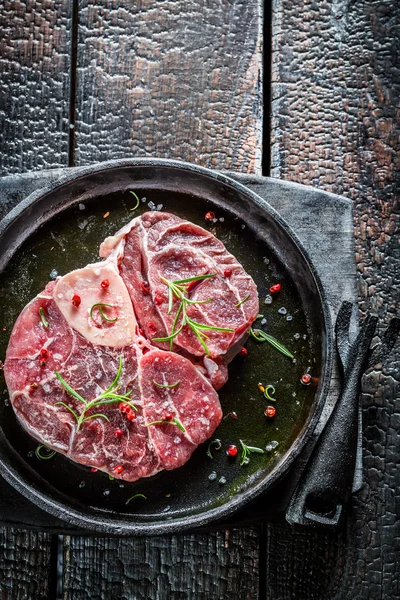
x,y
34,113
34,75
303,564
335,108
189,567
25,560
167,78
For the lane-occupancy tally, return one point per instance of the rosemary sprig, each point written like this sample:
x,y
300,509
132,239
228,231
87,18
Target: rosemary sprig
x,y
174,421
246,450
137,201
136,496
217,446
266,392
261,336
165,385
100,306
242,301
45,323
109,396
179,289
43,448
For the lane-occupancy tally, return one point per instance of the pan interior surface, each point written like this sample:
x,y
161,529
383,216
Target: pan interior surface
x,y
70,239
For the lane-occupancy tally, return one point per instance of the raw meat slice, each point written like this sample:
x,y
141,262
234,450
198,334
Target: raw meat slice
x,y
190,401
158,246
89,369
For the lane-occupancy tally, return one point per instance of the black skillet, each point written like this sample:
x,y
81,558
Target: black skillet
x,y
59,228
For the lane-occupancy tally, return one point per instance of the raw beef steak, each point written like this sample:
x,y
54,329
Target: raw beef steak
x,y
112,441
159,247
87,372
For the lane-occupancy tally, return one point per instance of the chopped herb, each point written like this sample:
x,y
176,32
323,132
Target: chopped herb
x,y
197,278
266,392
216,444
109,396
259,317
137,201
164,385
242,301
261,336
178,289
44,452
45,323
136,496
111,478
174,421
246,450
100,306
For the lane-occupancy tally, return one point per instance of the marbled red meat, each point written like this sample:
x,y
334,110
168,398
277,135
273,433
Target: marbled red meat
x,y
86,348
161,245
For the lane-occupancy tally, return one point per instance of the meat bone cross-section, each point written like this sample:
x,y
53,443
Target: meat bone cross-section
x,y
86,376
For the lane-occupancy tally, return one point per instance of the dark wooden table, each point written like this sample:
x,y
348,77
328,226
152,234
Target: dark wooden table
x,y
305,90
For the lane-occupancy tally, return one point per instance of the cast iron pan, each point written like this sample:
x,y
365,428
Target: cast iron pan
x,y
59,228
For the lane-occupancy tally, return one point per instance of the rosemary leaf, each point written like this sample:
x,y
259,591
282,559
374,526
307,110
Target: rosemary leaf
x,y
261,336
136,496
246,450
100,305
217,446
174,421
190,279
266,392
45,323
49,452
118,375
164,385
68,408
97,415
69,388
242,301
137,201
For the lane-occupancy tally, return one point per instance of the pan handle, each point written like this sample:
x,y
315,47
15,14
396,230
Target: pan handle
x,y
326,483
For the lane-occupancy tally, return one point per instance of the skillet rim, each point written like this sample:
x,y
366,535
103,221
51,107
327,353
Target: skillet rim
x,y
107,523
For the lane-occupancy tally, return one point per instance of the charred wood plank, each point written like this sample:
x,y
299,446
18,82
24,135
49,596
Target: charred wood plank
x,y
35,43
25,565
183,567
176,79
336,85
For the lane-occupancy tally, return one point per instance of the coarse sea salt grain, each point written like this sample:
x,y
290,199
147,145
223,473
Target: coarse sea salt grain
x,y
81,206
